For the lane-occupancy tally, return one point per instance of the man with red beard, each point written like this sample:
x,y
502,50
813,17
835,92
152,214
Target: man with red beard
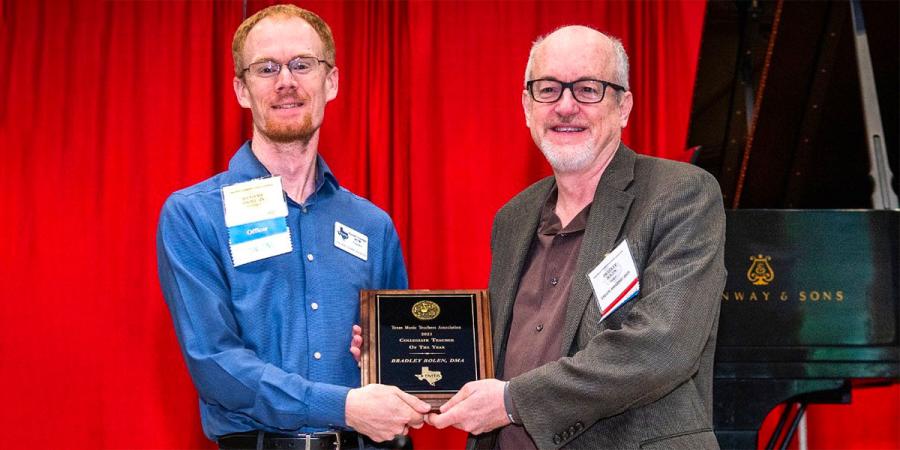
x,y
261,265
605,278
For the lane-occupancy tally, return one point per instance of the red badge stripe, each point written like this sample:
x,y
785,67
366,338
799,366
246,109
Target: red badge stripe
x,y
619,298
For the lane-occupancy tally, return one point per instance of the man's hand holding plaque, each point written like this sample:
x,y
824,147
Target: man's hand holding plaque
x,y
477,408
383,412
356,344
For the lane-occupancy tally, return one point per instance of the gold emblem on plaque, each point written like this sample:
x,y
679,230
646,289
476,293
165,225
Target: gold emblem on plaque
x,y
430,376
426,310
760,272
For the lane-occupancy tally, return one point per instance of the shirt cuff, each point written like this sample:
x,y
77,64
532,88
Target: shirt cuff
x,y
328,404
511,412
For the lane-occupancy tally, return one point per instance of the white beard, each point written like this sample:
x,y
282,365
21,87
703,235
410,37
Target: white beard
x,y
575,158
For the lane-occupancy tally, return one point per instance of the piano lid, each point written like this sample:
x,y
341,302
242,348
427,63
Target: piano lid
x,y
788,72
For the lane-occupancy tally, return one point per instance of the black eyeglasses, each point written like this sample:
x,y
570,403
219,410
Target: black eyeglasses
x,y
300,65
547,90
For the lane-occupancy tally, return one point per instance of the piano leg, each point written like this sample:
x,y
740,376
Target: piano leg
x,y
789,434
742,405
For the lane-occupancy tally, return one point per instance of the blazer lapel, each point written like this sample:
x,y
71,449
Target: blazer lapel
x,y
513,243
608,212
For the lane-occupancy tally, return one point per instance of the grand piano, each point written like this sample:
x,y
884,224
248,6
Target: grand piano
x,y
795,112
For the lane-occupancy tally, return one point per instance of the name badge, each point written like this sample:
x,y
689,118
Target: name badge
x,y
351,241
256,217
614,280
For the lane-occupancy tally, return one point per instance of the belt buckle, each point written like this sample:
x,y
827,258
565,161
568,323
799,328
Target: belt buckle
x,y
337,438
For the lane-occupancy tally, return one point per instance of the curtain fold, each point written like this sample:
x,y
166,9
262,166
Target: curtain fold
x,y
106,107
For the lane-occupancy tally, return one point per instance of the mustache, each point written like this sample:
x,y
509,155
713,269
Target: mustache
x,y
292,98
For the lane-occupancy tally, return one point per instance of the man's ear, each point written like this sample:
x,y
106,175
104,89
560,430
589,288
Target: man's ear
x,y
241,92
331,84
526,107
625,106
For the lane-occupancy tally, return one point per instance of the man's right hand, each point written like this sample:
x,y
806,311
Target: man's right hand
x,y
382,412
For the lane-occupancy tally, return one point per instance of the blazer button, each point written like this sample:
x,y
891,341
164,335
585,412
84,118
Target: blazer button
x,y
556,439
572,429
579,426
566,434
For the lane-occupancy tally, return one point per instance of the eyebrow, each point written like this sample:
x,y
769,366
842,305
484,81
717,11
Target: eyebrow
x,y
574,81
270,59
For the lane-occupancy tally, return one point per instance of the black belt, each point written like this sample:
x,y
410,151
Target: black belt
x,y
333,440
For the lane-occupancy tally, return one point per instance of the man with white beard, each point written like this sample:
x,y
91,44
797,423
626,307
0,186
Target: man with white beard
x,y
605,278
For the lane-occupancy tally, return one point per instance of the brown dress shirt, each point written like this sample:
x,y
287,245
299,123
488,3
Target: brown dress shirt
x,y
535,335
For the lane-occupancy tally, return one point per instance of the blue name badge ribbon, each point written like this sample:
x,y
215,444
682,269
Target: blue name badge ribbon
x,y
256,217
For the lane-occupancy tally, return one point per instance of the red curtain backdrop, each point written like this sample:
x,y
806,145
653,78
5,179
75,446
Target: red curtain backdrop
x,y
106,107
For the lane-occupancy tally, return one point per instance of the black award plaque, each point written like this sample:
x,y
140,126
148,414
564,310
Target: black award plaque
x,y
427,343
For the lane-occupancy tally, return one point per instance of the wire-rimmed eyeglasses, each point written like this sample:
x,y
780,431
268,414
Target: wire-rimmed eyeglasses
x,y
300,65
548,90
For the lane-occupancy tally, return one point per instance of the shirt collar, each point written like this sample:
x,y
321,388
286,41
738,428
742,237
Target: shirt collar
x,y
550,223
245,164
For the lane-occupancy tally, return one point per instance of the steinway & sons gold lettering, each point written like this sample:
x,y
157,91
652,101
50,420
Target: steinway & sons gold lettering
x,y
805,296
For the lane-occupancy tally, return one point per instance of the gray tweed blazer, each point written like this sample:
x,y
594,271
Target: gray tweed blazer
x,y
642,378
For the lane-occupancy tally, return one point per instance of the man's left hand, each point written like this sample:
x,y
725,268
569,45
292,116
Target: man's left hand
x,y
477,408
356,342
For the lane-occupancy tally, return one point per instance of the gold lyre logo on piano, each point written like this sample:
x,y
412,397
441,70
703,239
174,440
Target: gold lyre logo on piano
x,y
760,272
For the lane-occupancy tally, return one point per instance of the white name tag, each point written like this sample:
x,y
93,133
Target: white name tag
x,y
351,241
615,280
255,214
254,200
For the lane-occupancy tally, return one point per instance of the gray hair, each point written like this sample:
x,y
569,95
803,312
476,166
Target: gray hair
x,y
621,74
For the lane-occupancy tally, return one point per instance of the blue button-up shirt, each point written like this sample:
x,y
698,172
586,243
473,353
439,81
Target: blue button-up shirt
x,y
266,343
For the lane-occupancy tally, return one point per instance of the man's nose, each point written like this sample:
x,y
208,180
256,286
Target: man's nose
x,y
566,105
285,79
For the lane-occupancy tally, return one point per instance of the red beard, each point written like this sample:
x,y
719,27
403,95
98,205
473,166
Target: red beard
x,y
286,132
